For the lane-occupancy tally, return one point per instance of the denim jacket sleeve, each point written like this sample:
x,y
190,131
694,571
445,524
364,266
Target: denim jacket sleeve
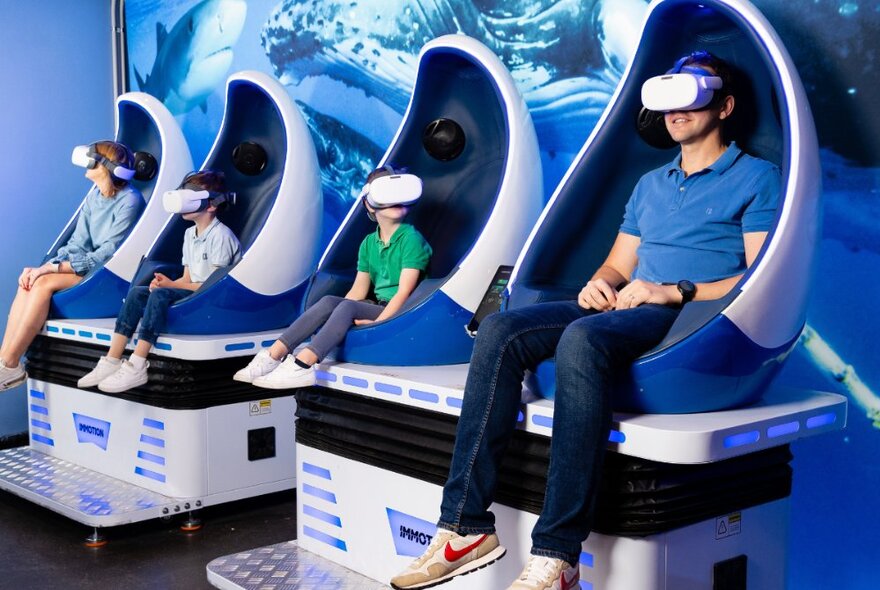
x,y
79,241
83,260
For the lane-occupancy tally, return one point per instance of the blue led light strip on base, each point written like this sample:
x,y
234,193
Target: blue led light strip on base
x,y
321,515
319,493
324,538
742,438
315,470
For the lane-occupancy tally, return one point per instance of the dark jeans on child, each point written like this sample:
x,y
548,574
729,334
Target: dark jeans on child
x,y
331,317
150,308
591,348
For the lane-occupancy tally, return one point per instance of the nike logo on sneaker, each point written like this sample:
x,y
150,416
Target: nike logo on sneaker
x,y
454,555
572,583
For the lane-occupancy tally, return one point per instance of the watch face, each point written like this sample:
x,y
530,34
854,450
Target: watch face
x,y
687,290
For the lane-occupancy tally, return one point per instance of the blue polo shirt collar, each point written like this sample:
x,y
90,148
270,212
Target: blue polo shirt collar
x,y
721,165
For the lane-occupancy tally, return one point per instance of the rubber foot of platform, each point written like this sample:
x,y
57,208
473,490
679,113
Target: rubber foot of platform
x,y
191,525
190,528
95,540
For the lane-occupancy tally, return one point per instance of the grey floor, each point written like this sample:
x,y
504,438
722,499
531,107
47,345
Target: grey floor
x,y
40,549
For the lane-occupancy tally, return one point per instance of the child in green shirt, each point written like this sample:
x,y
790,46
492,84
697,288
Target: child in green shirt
x,y
391,260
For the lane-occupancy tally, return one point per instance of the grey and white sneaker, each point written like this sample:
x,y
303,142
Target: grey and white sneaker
x,y
102,370
547,573
127,377
260,366
11,376
287,375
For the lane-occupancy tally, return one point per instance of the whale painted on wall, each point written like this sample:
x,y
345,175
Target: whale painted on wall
x,y
565,56
192,60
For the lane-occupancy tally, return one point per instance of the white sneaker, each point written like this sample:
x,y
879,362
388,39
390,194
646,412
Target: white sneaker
x,y
126,377
547,573
102,370
449,555
287,375
11,376
260,365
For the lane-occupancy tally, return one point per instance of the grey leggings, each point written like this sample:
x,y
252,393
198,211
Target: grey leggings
x,y
334,316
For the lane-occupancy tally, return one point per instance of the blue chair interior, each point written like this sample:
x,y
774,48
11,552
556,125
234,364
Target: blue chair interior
x,y
580,228
251,119
459,193
138,131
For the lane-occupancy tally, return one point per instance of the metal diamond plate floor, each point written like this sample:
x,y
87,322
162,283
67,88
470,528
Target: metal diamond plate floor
x,y
76,492
284,567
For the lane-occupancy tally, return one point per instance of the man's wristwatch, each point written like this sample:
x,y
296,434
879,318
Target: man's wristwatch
x,y
56,267
688,291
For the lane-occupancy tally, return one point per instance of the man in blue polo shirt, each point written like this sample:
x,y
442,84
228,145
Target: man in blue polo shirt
x,y
690,230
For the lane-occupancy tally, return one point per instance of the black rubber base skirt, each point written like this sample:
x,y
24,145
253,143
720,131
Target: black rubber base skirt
x,y
637,497
174,384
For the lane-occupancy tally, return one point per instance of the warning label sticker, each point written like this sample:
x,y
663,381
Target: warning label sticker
x,y
261,407
729,525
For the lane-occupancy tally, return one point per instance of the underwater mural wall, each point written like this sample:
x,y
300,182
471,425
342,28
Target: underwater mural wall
x,y
350,66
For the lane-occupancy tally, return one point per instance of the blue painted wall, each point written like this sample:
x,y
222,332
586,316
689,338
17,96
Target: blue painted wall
x,y
56,92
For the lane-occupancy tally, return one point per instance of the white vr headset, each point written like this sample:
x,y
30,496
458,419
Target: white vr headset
x,y
392,191
184,200
682,88
85,156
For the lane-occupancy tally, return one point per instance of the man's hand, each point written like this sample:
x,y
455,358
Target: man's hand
x,y
363,322
639,292
598,294
160,281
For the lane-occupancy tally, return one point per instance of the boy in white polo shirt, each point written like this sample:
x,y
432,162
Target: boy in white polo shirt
x,y
207,246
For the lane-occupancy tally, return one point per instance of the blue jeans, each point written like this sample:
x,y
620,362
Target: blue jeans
x,y
332,317
148,308
591,348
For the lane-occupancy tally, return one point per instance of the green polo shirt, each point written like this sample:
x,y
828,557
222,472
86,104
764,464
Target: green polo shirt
x,y
407,248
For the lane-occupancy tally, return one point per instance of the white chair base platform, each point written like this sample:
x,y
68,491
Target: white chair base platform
x,y
284,566
374,522
104,461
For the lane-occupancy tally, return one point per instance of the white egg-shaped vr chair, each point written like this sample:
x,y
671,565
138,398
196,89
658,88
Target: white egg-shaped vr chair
x,y
720,353
162,157
266,152
479,202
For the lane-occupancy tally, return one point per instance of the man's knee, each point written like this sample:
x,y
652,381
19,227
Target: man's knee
x,y
496,325
581,337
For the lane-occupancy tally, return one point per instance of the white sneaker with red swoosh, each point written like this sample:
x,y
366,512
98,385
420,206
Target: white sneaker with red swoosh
x,y
547,573
449,555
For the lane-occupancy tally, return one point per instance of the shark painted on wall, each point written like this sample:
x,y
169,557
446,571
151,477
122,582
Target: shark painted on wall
x,y
193,59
